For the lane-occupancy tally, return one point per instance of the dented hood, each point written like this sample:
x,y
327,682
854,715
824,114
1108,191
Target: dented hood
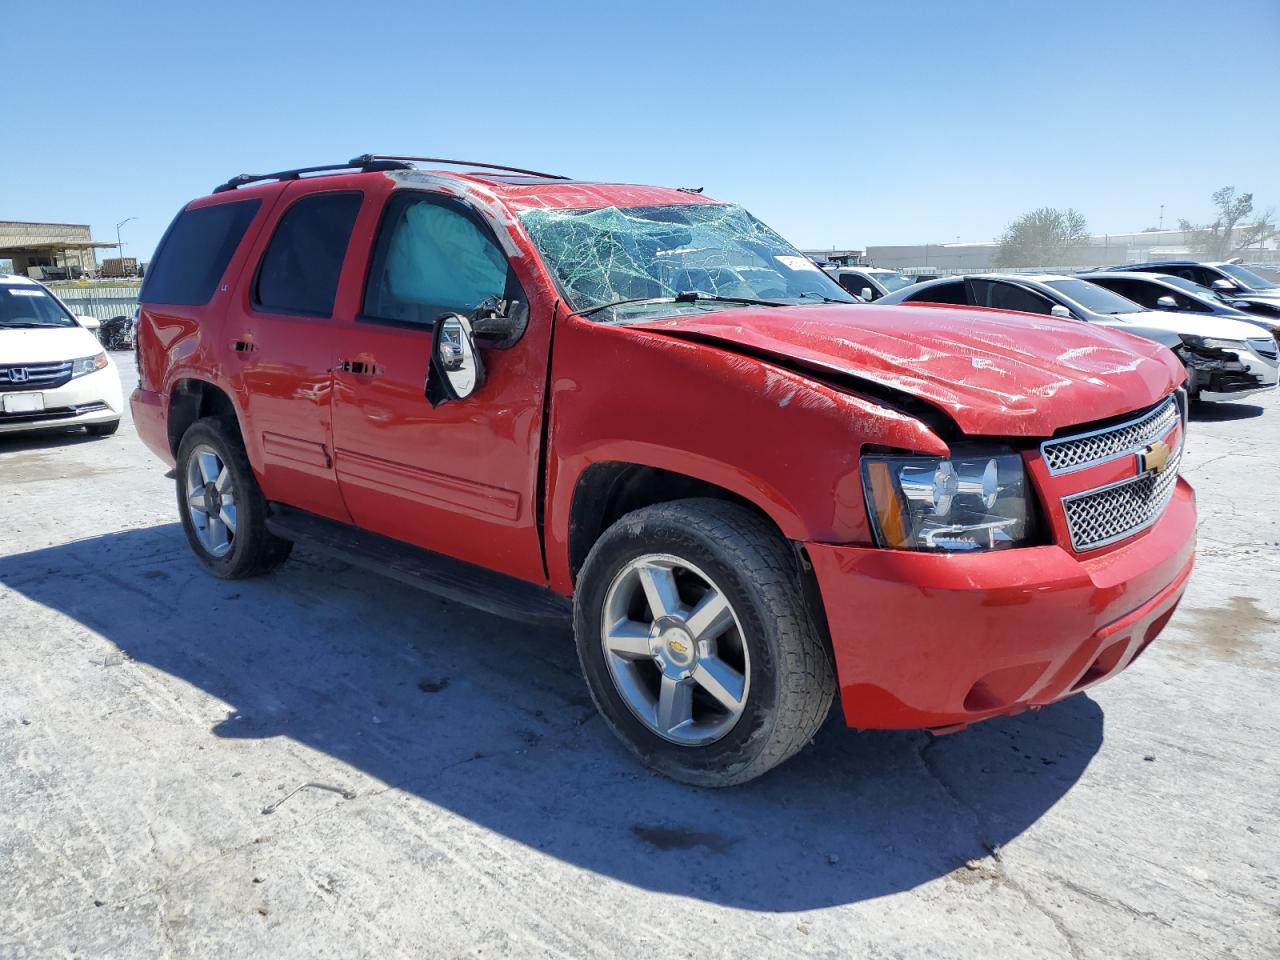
x,y
994,372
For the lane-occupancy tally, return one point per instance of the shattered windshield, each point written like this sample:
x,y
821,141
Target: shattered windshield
x,y
612,254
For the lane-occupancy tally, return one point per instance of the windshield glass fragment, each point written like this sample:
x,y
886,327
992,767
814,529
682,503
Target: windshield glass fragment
x,y
612,254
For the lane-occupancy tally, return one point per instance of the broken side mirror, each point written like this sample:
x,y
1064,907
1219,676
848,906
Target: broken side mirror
x,y
1166,303
456,368
500,323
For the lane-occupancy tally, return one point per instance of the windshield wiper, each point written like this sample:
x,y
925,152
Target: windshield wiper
x,y
685,296
28,325
823,297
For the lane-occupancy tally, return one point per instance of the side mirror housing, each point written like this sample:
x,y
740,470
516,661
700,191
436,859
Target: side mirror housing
x,y
867,294
456,368
1224,285
1166,303
1058,310
88,322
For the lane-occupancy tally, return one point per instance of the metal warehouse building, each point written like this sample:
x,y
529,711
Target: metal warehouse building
x,y
49,250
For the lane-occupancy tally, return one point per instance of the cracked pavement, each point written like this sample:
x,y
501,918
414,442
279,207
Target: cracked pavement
x,y
150,713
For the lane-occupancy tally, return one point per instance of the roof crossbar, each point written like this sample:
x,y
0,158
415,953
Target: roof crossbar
x,y
371,163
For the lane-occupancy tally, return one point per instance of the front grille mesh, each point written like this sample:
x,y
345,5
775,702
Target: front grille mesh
x,y
1266,347
1075,453
1104,516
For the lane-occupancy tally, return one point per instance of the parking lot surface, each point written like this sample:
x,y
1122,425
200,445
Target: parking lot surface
x,y
463,799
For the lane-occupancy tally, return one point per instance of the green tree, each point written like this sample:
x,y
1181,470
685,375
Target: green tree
x,y
1042,238
1230,233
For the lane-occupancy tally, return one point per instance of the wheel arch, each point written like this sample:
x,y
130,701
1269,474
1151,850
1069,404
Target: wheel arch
x,y
605,491
191,399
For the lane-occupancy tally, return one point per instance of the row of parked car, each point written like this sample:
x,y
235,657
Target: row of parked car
x,y
1221,319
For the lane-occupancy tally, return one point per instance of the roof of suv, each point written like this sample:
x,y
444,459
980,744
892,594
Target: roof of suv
x,y
515,187
17,280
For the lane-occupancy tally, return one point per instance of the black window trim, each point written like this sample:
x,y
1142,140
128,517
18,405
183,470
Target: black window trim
x,y
255,306
377,252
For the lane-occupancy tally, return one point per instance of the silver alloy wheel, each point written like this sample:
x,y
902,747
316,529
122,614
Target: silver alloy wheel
x,y
211,500
675,650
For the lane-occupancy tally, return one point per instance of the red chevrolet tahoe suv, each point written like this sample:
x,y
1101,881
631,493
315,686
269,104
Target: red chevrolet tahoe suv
x,y
643,409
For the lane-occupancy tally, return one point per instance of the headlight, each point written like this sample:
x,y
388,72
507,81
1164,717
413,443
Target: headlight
x,y
1210,343
88,365
974,500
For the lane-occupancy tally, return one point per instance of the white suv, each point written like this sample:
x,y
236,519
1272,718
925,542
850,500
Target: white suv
x,y
53,371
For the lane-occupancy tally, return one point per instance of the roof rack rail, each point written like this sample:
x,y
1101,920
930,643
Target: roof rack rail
x,y
378,157
366,164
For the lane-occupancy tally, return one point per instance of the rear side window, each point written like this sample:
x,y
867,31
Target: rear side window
x,y
1007,296
299,271
195,252
950,292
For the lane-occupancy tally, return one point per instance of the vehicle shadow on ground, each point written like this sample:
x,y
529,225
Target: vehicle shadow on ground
x,y
1222,412
490,720
45,438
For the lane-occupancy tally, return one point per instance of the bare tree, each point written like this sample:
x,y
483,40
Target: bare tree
x,y
1043,237
1230,233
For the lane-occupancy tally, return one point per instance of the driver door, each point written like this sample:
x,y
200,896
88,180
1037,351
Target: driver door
x,y
461,478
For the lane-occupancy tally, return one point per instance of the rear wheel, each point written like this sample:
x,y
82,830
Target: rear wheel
x,y
697,644
223,511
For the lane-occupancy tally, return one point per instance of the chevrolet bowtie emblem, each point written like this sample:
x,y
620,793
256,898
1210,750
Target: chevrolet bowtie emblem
x,y
1154,458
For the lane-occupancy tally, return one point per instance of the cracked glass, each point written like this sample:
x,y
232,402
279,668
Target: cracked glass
x,y
696,252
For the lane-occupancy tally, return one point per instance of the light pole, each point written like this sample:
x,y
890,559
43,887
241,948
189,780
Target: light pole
x,y
119,245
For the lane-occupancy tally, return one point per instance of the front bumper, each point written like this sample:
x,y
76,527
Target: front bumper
x,y
1244,375
94,398
945,640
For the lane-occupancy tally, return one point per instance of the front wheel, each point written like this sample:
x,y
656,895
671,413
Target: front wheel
x,y
696,642
223,511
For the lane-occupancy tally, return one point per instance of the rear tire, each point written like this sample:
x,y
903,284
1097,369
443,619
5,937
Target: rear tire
x,y
103,429
223,511
756,687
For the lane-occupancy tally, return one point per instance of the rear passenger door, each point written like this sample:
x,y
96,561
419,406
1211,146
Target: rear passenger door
x,y
282,336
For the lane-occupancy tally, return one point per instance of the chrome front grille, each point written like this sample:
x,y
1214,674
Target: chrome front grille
x,y
1096,518
1264,346
1067,454
34,376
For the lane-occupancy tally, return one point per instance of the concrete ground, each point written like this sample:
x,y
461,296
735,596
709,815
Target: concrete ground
x,y
151,716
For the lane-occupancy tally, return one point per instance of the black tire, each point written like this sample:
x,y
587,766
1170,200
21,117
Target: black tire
x,y
254,549
791,682
103,429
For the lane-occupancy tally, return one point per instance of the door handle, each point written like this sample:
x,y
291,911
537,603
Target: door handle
x,y
365,368
243,346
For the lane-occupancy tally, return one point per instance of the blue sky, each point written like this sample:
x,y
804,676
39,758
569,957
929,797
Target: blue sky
x,y
839,124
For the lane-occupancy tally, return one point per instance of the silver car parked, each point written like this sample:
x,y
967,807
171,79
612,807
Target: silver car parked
x,y
1222,363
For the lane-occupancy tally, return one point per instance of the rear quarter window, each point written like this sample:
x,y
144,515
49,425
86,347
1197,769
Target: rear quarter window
x,y
195,251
